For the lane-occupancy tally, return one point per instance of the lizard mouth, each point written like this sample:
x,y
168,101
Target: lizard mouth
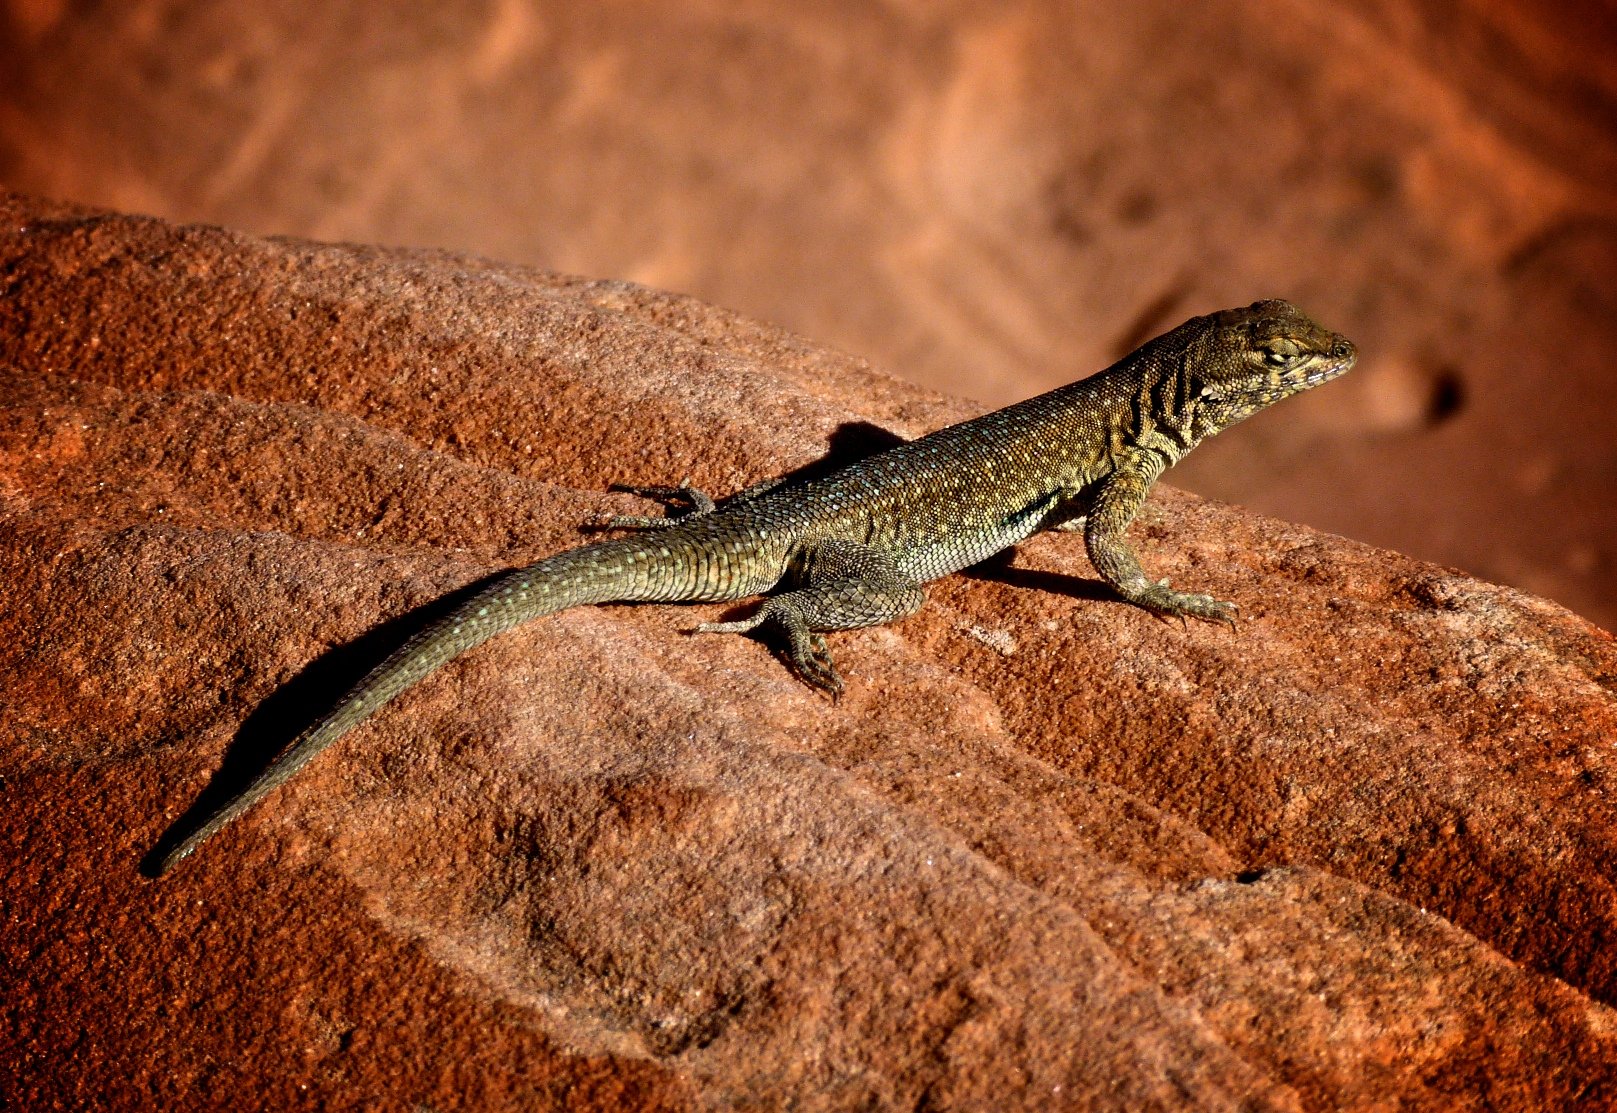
x,y
1338,361
1327,371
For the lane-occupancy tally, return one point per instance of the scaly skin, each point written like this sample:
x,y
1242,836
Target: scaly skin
x,y
853,548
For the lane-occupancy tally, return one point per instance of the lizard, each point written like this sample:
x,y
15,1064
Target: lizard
x,y
854,548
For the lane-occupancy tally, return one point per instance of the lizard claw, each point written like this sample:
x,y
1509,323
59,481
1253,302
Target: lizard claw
x,y
812,660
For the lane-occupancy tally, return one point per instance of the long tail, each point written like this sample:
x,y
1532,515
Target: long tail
x,y
611,571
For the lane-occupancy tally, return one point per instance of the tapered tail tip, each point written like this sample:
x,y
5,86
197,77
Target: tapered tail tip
x,y
160,864
170,860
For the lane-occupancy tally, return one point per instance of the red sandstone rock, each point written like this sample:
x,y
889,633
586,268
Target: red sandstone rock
x,y
1046,852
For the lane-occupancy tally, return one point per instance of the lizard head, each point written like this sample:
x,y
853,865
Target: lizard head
x,y
1242,360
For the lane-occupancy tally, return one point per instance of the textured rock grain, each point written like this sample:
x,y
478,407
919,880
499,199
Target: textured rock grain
x,y
1047,852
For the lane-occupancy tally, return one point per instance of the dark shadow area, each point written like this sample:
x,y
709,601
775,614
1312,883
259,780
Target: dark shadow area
x,y
1447,397
284,714
850,443
998,569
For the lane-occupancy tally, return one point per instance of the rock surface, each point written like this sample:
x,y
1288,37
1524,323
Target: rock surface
x,y
1047,852
988,199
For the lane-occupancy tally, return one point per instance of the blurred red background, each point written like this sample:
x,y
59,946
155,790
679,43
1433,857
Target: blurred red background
x,y
986,198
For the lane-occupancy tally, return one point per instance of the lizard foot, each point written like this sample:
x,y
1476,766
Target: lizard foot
x,y
1160,600
806,650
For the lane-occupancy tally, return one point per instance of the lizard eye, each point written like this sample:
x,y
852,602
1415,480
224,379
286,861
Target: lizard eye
x,y
1278,353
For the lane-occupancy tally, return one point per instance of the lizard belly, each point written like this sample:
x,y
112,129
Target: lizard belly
x,y
956,550
951,545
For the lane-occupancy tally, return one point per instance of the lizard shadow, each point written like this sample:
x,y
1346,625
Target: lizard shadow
x,y
998,569
849,443
316,688
325,680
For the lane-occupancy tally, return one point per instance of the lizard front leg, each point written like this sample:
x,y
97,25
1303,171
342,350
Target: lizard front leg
x,y
837,585
1115,506
701,504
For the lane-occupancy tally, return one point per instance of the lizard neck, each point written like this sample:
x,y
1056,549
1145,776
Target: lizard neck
x,y
1140,404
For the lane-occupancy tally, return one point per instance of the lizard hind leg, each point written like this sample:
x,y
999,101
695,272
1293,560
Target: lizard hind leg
x,y
838,585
